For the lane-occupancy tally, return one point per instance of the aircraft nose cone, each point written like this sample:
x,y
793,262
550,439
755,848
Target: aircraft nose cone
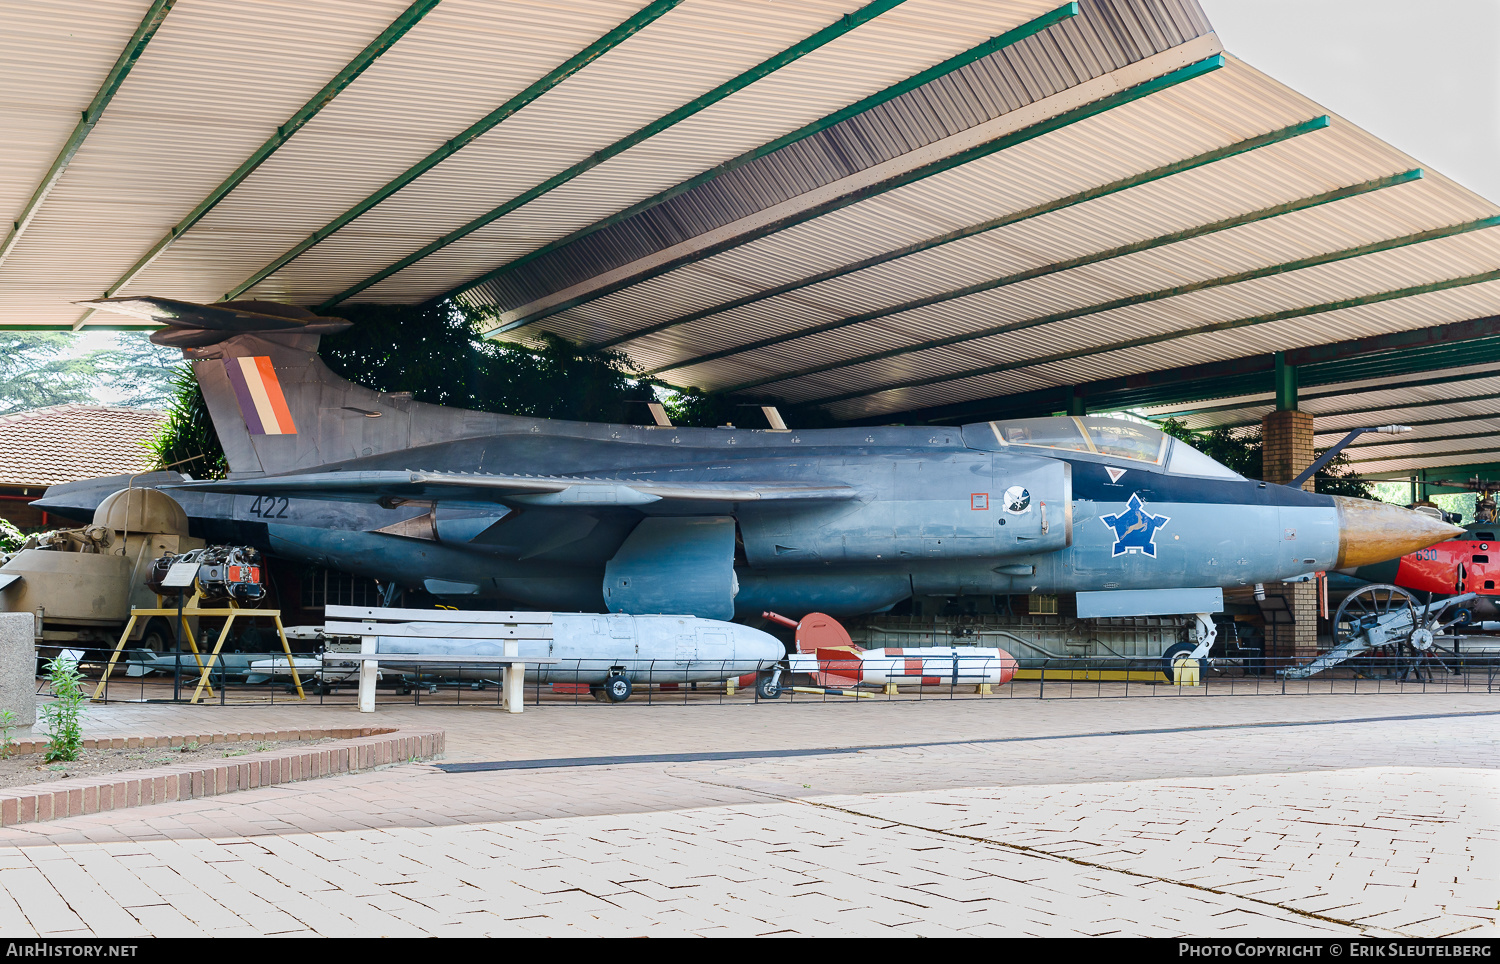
x,y
752,644
1371,532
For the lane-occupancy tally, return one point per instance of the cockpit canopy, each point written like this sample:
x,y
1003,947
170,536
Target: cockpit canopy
x,y
1111,437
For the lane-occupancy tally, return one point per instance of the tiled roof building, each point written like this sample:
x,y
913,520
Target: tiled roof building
x,y
65,443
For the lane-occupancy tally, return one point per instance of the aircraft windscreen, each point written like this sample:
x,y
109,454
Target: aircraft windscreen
x,y
1100,436
1186,460
1052,433
1126,440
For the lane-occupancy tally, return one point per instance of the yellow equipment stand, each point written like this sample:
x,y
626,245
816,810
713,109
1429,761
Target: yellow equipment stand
x,y
192,609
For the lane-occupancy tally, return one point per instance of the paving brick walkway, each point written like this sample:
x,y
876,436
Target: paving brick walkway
x,y
1379,827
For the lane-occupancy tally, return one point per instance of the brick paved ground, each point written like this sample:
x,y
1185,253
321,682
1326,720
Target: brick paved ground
x,y
1385,827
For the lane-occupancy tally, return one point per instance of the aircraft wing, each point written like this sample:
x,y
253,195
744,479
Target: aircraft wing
x,y
525,489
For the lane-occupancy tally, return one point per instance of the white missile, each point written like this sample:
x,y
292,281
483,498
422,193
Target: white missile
x,y
590,648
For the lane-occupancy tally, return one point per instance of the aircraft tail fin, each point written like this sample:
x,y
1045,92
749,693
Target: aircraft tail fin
x,y
276,407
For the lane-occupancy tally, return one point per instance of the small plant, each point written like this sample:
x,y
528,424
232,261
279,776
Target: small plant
x,y
189,747
8,722
64,712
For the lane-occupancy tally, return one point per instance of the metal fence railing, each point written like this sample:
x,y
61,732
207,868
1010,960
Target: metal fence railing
x,y
693,681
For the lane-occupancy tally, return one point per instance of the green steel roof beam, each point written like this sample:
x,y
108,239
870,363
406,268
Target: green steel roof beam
x,y
372,52
1492,434
1470,470
765,68
1426,455
147,28
123,327
1217,326
619,34
1134,247
1117,99
1312,396
1114,187
1285,267
858,107
1373,409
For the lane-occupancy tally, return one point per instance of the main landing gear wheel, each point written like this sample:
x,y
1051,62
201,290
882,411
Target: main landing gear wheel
x,y
1175,652
1363,609
767,686
617,689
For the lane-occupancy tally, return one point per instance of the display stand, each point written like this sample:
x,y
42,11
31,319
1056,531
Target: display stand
x,y
193,609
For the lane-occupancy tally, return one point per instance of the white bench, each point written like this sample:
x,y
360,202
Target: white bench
x,y
369,623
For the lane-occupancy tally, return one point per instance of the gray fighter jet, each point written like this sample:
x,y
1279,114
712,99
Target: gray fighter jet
x,y
721,522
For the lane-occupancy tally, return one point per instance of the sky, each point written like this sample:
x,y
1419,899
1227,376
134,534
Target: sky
x,y
1422,76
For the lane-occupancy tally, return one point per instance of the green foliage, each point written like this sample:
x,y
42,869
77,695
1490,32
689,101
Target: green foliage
x,y
187,440
438,355
64,712
35,371
11,538
695,407
138,373
1242,453
40,368
8,722
1338,478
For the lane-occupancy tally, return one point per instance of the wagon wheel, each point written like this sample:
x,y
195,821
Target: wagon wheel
x,y
1362,609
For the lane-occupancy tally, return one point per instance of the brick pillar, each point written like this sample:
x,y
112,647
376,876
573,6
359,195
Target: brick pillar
x,y
1288,441
1287,437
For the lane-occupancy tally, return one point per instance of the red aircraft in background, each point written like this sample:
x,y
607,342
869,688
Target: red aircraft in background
x,y
1457,566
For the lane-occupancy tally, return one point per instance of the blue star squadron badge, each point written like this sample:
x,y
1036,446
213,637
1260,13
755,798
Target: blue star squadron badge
x,y
1135,529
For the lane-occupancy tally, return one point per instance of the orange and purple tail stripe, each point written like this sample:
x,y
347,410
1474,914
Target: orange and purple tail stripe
x,y
261,401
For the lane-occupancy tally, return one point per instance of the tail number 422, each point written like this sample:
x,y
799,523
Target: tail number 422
x,y
269,507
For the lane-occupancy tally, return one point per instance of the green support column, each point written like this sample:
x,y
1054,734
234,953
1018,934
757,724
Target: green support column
x,y
1076,404
1286,384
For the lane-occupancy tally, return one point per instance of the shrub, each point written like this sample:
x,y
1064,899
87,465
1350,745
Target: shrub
x,y
64,713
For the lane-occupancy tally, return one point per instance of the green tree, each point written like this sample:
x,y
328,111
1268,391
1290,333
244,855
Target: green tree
x,y
694,406
187,440
36,371
11,538
437,354
1242,452
139,373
